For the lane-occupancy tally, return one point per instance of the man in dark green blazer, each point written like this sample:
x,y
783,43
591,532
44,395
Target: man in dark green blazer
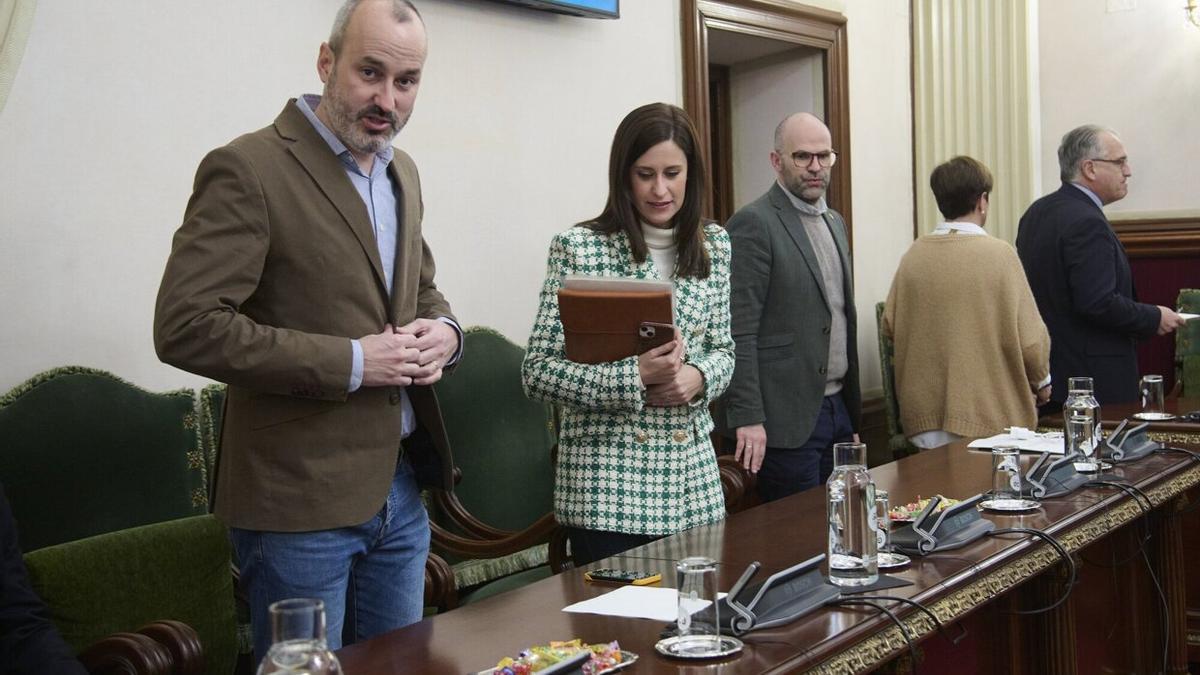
x,y
795,389
300,277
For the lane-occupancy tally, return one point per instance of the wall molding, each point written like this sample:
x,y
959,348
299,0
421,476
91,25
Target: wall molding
x,y
1159,237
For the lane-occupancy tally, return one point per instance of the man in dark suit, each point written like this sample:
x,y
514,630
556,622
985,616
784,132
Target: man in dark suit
x,y
1080,274
795,389
300,277
29,642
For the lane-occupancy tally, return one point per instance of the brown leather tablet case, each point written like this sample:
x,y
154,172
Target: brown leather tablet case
x,y
602,326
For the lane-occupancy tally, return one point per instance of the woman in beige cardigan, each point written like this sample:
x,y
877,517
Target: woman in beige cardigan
x,y
972,353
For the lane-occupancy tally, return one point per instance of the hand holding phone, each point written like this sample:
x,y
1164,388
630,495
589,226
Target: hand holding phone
x,y
616,576
652,334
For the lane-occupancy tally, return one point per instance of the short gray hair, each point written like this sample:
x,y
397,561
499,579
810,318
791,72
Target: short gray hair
x,y
1079,144
402,10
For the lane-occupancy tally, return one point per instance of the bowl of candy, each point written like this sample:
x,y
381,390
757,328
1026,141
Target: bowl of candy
x,y
571,656
904,513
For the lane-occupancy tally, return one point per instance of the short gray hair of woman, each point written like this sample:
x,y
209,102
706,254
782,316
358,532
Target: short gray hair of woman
x,y
1079,144
402,10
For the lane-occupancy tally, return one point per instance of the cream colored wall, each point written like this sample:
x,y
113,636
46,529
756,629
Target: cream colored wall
x,y
761,93
1136,71
115,103
881,174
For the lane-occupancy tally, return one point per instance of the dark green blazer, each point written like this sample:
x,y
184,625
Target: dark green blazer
x,y
781,322
274,269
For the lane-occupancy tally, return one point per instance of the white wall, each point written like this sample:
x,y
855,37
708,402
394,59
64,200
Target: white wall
x,y
1137,72
761,93
881,172
115,103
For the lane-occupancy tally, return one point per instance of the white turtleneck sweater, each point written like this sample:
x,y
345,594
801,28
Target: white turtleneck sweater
x,y
661,243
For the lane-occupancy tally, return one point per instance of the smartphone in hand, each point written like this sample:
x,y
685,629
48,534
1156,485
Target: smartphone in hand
x,y
652,334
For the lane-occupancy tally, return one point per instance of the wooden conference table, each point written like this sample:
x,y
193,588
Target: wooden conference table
x,y
976,588
1169,431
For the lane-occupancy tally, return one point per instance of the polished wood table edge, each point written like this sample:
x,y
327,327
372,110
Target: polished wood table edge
x,y
889,642
1181,437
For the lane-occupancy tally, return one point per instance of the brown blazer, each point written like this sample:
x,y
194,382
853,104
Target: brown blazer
x,y
273,271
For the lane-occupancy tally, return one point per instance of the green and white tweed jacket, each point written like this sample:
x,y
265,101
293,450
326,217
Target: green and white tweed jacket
x,y
623,466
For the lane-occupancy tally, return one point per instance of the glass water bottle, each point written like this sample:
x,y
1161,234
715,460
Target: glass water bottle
x,y
850,499
298,640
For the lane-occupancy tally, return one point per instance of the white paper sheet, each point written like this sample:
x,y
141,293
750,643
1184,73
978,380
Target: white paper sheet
x,y
1028,441
635,602
1188,317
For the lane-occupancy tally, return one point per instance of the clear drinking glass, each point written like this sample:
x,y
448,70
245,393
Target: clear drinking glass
x,y
1079,436
298,640
1006,477
699,620
1152,398
850,501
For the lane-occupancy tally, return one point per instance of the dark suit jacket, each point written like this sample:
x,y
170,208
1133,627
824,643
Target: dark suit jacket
x,y
29,642
273,271
1081,280
781,322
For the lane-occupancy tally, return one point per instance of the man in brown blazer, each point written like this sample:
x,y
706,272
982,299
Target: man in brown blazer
x,y
301,279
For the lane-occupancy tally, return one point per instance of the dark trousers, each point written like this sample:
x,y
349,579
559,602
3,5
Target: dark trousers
x,y
786,471
588,546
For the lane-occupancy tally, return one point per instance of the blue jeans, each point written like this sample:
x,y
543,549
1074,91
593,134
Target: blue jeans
x,y
376,568
786,471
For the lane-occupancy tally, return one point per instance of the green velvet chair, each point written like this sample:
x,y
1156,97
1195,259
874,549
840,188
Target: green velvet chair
x,y
496,525
1187,346
83,452
212,411
124,580
897,441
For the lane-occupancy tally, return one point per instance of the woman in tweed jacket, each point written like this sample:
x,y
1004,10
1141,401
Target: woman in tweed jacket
x,y
635,462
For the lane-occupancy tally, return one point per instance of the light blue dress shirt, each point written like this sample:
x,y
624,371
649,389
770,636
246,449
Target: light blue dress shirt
x,y
1090,194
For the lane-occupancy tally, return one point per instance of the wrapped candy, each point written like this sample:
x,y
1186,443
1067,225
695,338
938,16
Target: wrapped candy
x,y
604,657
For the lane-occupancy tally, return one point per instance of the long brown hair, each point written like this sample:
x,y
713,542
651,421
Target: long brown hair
x,y
641,130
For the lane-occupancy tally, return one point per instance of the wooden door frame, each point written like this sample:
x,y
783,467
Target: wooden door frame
x,y
720,161
776,20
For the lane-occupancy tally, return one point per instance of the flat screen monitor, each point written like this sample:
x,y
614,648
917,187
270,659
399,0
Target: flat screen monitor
x,y
599,9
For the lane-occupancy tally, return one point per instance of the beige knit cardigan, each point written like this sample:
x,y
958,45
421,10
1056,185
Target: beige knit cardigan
x,y
970,345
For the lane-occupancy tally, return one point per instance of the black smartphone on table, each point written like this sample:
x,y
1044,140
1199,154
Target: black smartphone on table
x,y
617,576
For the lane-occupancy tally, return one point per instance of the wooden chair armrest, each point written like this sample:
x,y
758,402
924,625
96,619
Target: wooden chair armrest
x,y
736,483
537,533
183,643
450,506
160,648
127,654
441,590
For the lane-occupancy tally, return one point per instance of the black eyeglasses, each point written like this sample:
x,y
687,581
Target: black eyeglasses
x,y
802,159
1121,162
